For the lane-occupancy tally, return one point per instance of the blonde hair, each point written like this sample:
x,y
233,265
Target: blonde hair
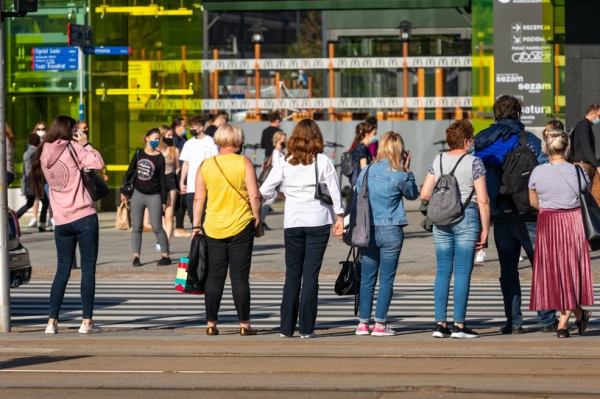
x,y
557,143
391,147
277,136
229,135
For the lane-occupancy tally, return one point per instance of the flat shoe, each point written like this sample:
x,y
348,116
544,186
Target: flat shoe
x,y
585,318
212,331
51,329
562,333
247,331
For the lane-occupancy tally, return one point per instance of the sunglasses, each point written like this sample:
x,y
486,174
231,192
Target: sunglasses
x,y
41,129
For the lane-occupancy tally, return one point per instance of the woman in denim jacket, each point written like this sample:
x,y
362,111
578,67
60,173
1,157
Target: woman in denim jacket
x,y
390,179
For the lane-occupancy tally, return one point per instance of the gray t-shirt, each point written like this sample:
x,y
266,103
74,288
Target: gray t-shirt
x,y
469,169
556,185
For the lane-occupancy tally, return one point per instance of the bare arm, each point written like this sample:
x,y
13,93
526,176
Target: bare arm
x,y
199,200
483,200
253,193
184,172
534,200
363,163
177,165
427,188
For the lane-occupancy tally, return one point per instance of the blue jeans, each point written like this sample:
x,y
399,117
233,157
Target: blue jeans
x,y
85,233
455,250
510,234
304,251
380,256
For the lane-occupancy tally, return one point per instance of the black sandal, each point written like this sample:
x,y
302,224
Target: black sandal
x,y
585,318
562,333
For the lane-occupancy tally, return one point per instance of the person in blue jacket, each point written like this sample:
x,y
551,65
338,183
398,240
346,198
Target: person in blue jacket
x,y
511,230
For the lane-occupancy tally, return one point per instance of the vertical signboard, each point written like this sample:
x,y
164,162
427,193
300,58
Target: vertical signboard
x,y
522,51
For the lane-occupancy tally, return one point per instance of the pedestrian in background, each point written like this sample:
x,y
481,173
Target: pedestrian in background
x,y
147,171
389,181
371,120
34,141
562,272
366,134
171,154
215,122
40,130
307,223
195,151
10,155
229,182
266,140
276,156
584,147
456,243
179,129
74,211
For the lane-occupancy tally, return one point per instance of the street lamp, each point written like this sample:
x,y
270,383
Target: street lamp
x,y
257,34
405,28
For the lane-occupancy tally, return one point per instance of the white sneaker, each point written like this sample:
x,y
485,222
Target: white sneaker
x,y
157,247
32,223
86,329
285,336
521,259
311,335
51,329
51,222
480,257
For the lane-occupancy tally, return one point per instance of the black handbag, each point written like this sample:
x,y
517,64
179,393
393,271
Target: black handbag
x,y
92,183
348,282
590,212
129,178
197,267
321,189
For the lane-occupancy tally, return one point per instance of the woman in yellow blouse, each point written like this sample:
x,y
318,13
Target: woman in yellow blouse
x,y
232,215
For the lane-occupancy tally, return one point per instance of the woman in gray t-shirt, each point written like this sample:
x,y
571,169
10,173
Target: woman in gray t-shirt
x,y
455,244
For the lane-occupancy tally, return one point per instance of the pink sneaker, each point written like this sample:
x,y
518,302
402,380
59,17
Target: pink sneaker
x,y
382,331
362,329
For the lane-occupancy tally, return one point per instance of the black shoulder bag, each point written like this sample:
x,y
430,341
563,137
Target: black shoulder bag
x,y
92,183
590,211
348,282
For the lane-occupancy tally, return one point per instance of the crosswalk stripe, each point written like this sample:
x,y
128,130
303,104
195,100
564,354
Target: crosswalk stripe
x,y
156,304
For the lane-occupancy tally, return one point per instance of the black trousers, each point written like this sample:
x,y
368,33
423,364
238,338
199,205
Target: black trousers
x,y
304,251
233,253
29,204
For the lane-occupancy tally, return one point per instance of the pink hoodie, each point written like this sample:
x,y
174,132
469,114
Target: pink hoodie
x,y
69,199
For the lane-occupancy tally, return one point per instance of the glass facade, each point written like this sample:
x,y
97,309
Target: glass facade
x,y
165,58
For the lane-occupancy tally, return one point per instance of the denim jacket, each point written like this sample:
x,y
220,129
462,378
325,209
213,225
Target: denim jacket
x,y
386,189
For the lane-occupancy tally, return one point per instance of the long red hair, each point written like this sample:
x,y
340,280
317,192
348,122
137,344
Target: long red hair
x,y
305,143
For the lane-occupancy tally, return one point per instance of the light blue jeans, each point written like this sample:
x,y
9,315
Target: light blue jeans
x,y
380,256
455,250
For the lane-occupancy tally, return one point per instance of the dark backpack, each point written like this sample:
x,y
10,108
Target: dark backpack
x,y
347,164
517,166
445,206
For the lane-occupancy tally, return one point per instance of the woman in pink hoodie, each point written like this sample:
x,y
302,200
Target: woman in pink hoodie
x,y
75,216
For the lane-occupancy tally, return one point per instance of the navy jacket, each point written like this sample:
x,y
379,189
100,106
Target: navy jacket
x,y
492,145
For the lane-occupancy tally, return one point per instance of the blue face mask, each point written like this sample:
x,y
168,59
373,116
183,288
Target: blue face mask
x,y
471,149
375,139
154,143
596,121
184,132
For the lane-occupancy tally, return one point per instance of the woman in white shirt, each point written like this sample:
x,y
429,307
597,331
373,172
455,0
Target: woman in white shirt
x,y
307,222
278,153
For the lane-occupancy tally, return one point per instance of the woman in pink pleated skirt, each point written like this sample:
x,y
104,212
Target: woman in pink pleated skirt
x,y
562,272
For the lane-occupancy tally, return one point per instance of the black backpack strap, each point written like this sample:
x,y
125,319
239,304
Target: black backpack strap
x,y
441,168
523,138
468,201
455,166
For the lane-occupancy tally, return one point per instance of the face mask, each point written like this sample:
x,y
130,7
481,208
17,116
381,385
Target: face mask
x,y
374,139
154,143
239,151
193,132
596,121
184,132
283,146
40,133
168,141
471,149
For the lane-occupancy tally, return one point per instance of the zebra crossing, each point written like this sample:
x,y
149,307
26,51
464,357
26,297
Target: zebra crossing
x,y
156,304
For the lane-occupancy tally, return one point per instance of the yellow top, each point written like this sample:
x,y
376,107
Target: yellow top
x,y
227,214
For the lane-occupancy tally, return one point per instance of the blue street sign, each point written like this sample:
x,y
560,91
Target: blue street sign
x,y
107,50
54,58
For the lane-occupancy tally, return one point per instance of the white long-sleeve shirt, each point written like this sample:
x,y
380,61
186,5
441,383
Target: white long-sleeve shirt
x,y
298,185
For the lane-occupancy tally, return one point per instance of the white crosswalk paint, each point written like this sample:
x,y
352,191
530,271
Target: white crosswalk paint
x,y
156,304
